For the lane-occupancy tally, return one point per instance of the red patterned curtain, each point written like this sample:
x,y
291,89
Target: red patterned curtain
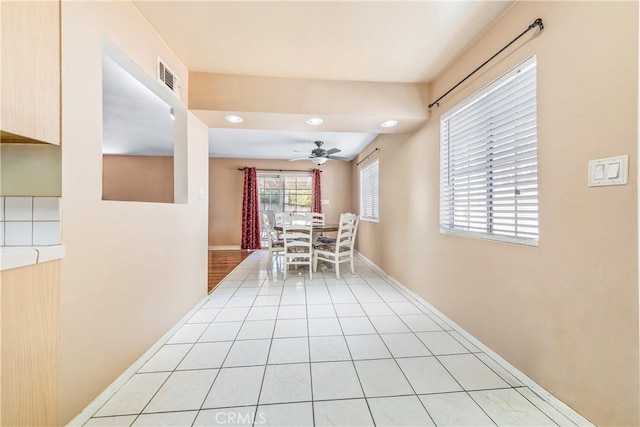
x,y
316,202
250,214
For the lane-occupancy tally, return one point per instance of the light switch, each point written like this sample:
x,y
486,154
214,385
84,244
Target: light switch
x,y
598,173
614,170
609,171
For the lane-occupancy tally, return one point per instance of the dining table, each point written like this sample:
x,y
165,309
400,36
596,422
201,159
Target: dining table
x,y
316,228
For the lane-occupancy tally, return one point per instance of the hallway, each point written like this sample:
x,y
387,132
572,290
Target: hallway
x,y
358,351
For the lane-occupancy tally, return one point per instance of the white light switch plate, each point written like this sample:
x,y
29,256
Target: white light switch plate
x,y
609,171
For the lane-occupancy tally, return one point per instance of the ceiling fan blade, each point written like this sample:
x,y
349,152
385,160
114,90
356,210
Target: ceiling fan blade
x,y
301,158
333,151
337,158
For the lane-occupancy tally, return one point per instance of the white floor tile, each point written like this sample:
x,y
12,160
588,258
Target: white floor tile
x,y
405,345
271,290
289,350
167,358
237,417
420,323
292,312
399,411
427,375
377,309
382,378
188,333
441,343
502,372
342,296
404,308
248,353
325,349
290,328
367,347
235,387
232,314
510,408
204,315
177,419
455,409
324,327
320,311
183,391
206,355
349,310
545,407
256,329
266,300
471,373
225,331
285,415
120,421
465,342
246,292
335,380
263,313
364,294
134,395
389,324
286,384
356,326
353,412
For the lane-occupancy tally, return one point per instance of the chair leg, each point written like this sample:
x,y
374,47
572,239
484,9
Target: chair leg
x,y
337,264
353,270
315,262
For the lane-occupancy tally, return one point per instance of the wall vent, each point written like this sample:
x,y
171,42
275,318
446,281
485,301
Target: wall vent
x,y
168,78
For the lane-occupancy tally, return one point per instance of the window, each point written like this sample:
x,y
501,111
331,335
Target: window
x,y
489,162
285,193
369,192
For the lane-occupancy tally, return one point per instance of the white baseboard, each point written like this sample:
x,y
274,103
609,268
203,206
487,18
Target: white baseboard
x,y
224,248
556,403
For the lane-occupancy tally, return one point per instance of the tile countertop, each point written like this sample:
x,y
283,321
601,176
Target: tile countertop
x,y
21,256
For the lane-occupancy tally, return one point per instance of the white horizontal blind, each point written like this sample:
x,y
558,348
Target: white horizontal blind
x,y
369,192
489,161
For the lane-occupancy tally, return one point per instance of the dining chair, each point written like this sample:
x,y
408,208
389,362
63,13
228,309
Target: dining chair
x,y
317,218
342,249
276,246
297,234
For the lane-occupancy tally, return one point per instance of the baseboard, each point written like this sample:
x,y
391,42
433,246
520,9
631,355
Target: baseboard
x,y
225,248
103,397
562,407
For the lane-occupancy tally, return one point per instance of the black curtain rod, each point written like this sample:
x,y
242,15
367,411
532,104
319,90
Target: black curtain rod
x,y
367,156
536,23
280,170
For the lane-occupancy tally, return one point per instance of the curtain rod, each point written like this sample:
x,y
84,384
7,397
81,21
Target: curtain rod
x,y
536,23
367,156
280,170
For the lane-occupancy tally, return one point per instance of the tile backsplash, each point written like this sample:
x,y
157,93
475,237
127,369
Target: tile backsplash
x,y
29,221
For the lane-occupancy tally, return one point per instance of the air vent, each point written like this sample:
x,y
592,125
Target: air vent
x,y
168,78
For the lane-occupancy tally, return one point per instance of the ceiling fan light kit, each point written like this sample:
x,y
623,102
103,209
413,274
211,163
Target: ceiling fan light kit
x,y
319,155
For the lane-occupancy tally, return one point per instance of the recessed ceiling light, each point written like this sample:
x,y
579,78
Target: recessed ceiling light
x,y
233,118
389,124
315,121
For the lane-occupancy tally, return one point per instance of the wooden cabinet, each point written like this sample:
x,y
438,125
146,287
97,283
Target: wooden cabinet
x,y
30,49
30,345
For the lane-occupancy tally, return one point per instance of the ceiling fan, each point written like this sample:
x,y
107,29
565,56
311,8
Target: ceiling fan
x,y
319,155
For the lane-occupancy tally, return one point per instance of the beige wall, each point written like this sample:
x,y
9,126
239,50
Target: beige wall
x,y
566,312
132,270
226,186
137,178
30,170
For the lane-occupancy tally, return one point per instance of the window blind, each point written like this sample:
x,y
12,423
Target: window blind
x,y
369,192
489,162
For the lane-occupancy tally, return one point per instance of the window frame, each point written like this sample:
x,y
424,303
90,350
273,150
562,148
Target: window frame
x,y
447,210
283,192
375,205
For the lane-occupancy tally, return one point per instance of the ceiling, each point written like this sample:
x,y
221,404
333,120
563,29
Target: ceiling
x,y
373,41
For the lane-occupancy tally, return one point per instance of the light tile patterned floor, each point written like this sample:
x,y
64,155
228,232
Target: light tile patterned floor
x,y
359,351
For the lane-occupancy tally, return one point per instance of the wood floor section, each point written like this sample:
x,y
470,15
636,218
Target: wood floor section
x,y
222,263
